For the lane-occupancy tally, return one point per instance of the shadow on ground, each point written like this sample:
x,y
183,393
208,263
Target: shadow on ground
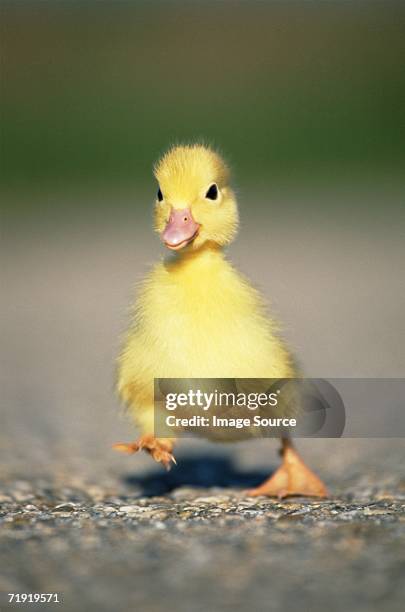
x,y
201,471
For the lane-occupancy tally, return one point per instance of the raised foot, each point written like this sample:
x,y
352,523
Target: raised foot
x,y
160,449
293,477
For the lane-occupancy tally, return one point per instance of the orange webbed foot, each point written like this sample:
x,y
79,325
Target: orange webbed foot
x,y
160,449
292,478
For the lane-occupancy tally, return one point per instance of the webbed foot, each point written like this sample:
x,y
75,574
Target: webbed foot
x,y
293,477
159,448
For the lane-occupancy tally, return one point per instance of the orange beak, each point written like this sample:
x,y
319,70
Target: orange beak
x,y
180,229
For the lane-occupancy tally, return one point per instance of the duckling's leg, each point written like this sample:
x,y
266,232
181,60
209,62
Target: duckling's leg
x,y
159,448
293,477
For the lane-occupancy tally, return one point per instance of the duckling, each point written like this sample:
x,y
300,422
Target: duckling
x,y
196,316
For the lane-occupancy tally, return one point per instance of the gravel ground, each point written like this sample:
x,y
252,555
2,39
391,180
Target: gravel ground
x,y
108,532
203,549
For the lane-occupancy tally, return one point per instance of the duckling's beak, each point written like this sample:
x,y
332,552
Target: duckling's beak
x,y
180,229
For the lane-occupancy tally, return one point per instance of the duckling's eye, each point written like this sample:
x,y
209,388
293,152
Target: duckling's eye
x,y
212,192
159,195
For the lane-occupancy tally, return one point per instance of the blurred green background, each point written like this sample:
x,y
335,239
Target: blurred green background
x,y
291,92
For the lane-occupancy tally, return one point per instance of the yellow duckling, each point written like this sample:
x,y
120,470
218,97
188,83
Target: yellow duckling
x,y
196,316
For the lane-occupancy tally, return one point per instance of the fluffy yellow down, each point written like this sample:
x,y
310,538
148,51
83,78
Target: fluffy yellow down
x,y
196,316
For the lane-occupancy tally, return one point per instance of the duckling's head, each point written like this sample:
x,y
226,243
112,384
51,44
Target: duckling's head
x,y
195,204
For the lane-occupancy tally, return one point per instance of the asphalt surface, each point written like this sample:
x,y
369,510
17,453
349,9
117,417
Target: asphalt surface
x,y
109,532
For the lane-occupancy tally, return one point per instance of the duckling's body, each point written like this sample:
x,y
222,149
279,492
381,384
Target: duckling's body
x,y
196,316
